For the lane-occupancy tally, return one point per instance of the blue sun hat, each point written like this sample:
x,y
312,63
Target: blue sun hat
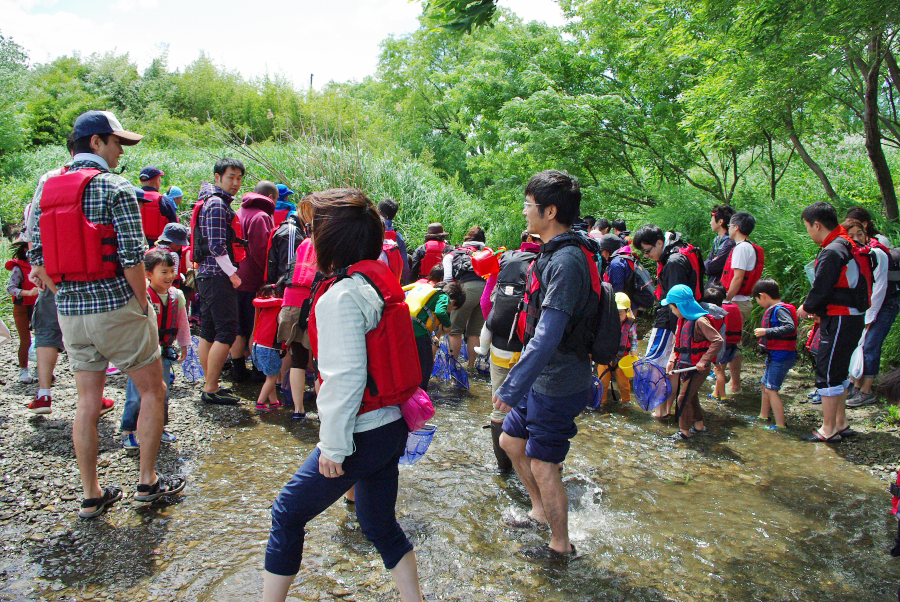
x,y
683,298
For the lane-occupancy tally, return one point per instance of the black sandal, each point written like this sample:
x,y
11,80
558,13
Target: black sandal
x,y
110,496
164,485
545,552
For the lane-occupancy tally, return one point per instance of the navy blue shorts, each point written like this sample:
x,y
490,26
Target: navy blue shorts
x,y
548,423
731,350
776,370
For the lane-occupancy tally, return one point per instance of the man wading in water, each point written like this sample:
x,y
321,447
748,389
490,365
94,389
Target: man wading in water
x,y
550,385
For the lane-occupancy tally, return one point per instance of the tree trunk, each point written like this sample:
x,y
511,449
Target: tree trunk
x,y
810,162
873,132
772,180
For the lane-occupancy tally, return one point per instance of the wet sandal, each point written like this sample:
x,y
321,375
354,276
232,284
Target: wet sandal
x,y
545,552
817,437
164,485
110,496
846,432
522,523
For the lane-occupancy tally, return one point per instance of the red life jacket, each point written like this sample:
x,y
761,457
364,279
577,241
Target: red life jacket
x,y
689,351
74,248
390,235
234,242
394,257
300,287
845,296
166,316
734,323
266,329
813,340
279,216
625,340
782,342
393,371
26,285
434,253
152,218
895,494
693,257
751,277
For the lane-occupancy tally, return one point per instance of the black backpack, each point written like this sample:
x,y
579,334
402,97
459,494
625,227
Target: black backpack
x,y
608,332
508,294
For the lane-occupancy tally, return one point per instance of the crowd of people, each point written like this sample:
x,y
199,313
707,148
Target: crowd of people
x,y
328,287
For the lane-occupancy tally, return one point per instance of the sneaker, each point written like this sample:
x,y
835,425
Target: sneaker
x,y
861,399
220,397
40,405
298,416
25,376
816,399
130,443
261,407
167,437
112,371
775,427
852,391
106,405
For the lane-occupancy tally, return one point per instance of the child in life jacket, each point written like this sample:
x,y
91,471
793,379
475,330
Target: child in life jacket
x,y
627,344
24,294
266,351
174,338
430,307
714,295
777,334
697,343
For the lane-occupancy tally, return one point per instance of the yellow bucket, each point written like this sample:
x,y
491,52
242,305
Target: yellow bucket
x,y
626,365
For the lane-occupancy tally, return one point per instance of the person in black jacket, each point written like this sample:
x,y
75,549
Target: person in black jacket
x,y
720,217
674,268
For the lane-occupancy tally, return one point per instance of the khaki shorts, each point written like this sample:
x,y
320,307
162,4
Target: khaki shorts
x,y
126,337
745,307
289,330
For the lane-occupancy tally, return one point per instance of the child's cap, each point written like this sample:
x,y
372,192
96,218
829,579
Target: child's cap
x,y
622,301
683,298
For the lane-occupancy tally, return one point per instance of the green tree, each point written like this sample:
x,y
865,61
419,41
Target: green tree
x,y
13,78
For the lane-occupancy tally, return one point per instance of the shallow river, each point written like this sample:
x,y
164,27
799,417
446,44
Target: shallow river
x,y
744,514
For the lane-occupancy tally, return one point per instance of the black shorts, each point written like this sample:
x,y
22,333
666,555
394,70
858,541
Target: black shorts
x,y
840,336
218,309
245,313
299,356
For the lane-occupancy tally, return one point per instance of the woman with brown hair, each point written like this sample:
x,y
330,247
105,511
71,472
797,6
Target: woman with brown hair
x,y
362,434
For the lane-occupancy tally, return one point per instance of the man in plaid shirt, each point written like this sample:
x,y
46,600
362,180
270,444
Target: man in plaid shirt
x,y
107,319
212,248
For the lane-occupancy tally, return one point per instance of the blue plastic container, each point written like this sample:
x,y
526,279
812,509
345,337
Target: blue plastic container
x,y
417,444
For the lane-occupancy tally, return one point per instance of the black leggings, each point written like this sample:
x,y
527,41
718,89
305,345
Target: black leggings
x,y
299,356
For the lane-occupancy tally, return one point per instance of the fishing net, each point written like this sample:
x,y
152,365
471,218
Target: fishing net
x,y
596,393
650,385
417,443
483,364
191,364
447,368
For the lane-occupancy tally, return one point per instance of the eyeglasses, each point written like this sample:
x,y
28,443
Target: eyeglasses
x,y
646,251
527,204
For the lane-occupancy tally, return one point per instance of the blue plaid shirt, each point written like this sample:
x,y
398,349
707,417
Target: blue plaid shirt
x,y
213,220
108,199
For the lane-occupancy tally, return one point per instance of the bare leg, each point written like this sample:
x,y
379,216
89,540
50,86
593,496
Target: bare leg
x,y
350,495
455,344
777,407
720,380
267,389
406,576
556,504
515,449
665,408
84,430
149,382
765,405
833,407
275,587
471,343
203,348
216,356
46,363
865,384
735,368
298,383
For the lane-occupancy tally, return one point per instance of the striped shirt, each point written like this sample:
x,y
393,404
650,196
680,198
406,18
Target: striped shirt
x,y
108,199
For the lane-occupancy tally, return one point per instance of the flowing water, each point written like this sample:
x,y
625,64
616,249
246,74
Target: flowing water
x,y
743,514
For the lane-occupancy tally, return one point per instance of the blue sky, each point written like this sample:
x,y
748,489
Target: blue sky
x,y
336,40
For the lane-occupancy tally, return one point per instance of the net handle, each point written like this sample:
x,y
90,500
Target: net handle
x,y
683,370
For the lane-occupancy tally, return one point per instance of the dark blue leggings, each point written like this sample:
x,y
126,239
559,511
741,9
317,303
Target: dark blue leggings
x,y
373,470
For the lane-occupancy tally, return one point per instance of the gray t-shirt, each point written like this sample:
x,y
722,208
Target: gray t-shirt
x,y
568,285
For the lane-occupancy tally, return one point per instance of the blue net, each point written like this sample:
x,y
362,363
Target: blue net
x,y
417,443
483,364
447,368
596,393
191,368
650,385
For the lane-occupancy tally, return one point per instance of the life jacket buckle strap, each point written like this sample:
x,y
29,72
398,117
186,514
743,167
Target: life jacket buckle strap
x,y
895,490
